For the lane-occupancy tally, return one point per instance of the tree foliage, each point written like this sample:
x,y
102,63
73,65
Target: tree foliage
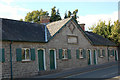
x,y
55,15
69,13
74,14
34,16
115,32
21,19
109,31
66,16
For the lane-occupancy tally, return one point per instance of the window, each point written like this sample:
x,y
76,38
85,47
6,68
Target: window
x,y
112,52
81,53
102,53
26,54
64,54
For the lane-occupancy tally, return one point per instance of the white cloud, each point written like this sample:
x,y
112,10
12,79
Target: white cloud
x,y
7,1
90,20
12,12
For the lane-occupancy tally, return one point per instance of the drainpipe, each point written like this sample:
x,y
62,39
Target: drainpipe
x,y
46,33
11,60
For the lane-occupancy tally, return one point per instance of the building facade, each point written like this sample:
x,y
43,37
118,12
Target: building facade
x,y
30,49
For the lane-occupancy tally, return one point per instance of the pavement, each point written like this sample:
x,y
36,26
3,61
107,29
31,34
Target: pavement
x,y
70,72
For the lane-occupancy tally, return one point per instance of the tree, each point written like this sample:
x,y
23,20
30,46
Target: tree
x,y
21,19
100,28
115,32
65,15
55,15
109,31
34,16
58,17
69,13
75,14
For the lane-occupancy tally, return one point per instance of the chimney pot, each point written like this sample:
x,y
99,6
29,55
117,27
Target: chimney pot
x,y
82,26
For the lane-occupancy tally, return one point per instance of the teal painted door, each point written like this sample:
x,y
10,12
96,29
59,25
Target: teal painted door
x,y
41,59
89,57
52,59
116,56
95,57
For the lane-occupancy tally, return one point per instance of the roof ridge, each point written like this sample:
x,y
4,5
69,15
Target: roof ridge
x,y
59,20
19,21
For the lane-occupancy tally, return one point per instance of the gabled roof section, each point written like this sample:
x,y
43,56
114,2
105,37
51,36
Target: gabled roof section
x,y
99,40
13,30
94,39
56,26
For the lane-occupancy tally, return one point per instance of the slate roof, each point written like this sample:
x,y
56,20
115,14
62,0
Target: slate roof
x,y
22,31
53,27
13,30
99,40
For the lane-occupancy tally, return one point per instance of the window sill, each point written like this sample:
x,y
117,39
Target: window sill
x,y
65,59
81,57
26,60
101,56
111,56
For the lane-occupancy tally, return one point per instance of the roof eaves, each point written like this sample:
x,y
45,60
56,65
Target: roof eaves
x,y
105,45
25,41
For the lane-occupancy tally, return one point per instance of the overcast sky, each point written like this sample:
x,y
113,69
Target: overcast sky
x,y
89,11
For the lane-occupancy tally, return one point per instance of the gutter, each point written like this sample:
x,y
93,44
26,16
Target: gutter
x,y
11,60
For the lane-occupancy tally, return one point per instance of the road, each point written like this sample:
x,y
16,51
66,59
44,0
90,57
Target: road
x,y
107,72
96,72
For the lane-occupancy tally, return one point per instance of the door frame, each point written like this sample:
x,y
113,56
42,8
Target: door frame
x,y
54,57
90,56
43,57
116,54
96,56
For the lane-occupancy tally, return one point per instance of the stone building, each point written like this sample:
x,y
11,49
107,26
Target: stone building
x,y
29,48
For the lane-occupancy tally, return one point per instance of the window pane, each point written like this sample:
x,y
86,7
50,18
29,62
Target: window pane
x,y
27,54
81,53
23,54
65,54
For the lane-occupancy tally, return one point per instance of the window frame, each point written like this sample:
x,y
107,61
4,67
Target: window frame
x,y
91,59
115,50
26,54
63,54
55,57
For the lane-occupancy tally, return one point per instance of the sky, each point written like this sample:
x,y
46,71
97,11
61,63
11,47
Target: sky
x,y
89,11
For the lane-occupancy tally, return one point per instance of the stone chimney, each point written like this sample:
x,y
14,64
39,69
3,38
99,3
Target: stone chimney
x,y
82,26
44,19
